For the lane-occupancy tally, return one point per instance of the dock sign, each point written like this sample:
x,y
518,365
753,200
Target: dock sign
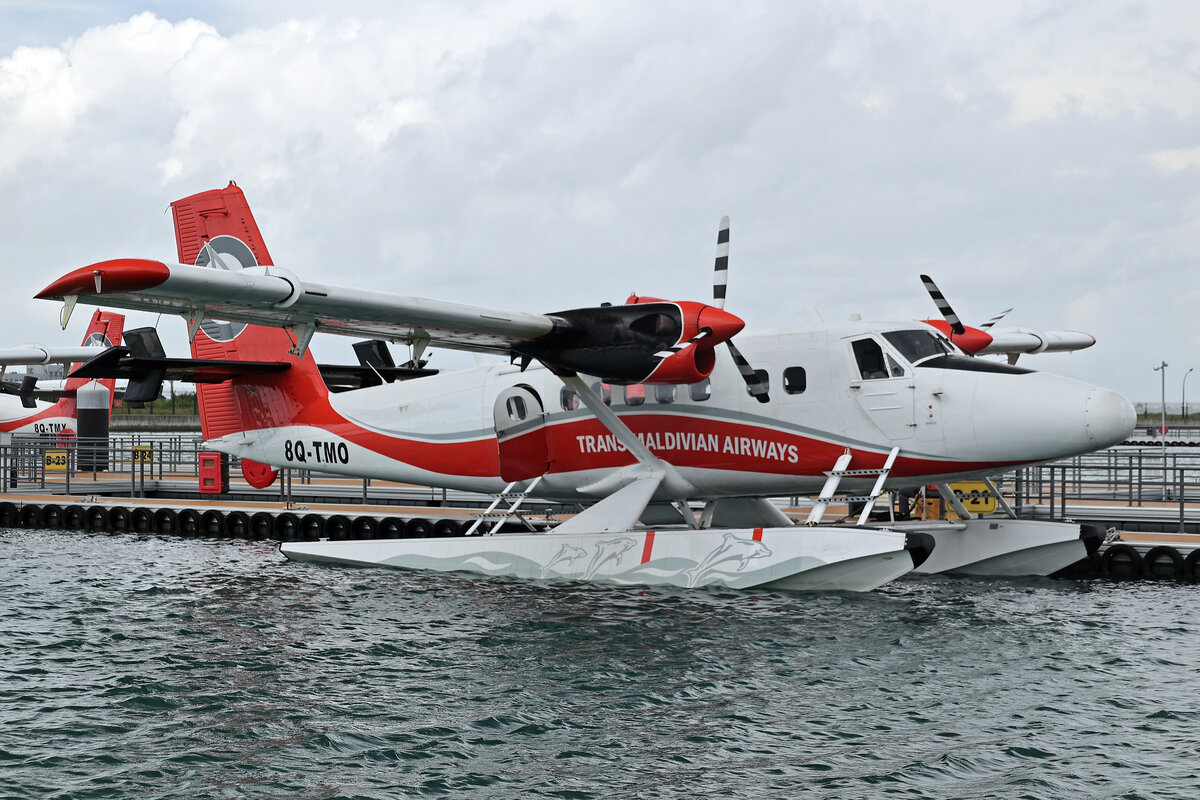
x,y
975,496
143,454
56,460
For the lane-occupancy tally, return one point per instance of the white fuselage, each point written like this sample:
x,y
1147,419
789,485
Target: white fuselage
x,y
949,422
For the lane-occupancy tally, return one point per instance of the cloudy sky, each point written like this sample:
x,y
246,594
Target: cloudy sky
x,y
539,155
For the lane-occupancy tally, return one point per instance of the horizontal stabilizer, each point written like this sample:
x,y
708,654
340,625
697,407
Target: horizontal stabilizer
x,y
119,363
345,377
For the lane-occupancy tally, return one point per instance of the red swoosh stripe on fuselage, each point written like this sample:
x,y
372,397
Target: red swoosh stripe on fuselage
x,y
682,440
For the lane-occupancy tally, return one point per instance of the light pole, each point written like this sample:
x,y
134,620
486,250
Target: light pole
x,y
1162,431
1184,398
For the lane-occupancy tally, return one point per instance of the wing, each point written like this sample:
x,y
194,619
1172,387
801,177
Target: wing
x,y
274,297
36,354
646,339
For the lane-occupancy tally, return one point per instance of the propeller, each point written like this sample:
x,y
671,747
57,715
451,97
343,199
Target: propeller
x,y
755,385
996,318
944,306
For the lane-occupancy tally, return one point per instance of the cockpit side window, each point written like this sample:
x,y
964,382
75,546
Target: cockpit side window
x,y
869,356
873,362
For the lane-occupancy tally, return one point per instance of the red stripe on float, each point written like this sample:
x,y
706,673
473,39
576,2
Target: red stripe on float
x,y
649,546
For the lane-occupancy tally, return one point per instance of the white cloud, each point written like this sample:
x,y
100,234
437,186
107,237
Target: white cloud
x,y
543,156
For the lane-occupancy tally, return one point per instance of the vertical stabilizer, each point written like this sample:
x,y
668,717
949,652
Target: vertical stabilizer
x,y
217,229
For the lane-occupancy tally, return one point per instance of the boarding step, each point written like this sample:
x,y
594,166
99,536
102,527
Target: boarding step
x,y
839,471
500,517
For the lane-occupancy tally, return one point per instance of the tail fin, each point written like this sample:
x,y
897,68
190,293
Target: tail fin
x,y
105,328
216,228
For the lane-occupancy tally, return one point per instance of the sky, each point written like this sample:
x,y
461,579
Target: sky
x,y
540,156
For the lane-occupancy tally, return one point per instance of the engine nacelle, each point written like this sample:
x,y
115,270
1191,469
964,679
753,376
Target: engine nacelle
x,y
690,365
644,341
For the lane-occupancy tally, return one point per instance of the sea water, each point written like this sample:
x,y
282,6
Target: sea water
x,y
136,666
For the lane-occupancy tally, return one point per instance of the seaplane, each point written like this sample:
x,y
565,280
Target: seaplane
x,y
22,413
670,438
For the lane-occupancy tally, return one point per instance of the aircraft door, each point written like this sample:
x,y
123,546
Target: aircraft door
x,y
520,422
882,387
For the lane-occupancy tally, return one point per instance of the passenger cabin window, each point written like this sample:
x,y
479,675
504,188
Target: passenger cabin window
x,y
664,393
762,377
917,345
635,394
568,398
605,392
795,381
873,363
700,391
516,408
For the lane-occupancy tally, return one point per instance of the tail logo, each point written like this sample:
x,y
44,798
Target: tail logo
x,y
97,340
228,253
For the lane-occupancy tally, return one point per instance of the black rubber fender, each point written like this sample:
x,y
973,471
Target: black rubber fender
x,y
117,519
188,522
262,525
337,527
1162,562
96,518
417,528
52,516
166,521
1092,537
1191,565
390,528
74,518
9,515
31,515
212,523
312,527
285,527
364,528
1122,561
141,520
446,528
237,524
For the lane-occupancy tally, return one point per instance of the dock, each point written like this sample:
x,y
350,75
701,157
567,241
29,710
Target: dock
x,y
1146,500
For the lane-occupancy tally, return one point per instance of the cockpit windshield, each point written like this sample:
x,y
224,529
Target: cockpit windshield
x,y
917,345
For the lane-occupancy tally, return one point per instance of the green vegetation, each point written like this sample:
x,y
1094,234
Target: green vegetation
x,y
182,405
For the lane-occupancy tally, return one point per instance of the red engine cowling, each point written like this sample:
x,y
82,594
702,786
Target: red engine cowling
x,y
690,365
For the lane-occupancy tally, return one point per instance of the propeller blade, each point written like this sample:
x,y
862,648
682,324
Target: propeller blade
x,y
996,318
757,388
944,307
721,268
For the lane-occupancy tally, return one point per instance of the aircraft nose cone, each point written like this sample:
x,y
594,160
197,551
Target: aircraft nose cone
x,y
1110,417
723,324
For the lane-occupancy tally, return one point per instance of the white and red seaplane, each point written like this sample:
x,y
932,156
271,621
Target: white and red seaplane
x,y
22,413
672,446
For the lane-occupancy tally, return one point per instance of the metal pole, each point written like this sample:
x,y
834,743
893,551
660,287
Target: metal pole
x,y
1184,397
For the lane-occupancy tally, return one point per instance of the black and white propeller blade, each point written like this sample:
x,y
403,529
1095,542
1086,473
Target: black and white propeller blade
x,y
943,306
721,268
754,382
995,319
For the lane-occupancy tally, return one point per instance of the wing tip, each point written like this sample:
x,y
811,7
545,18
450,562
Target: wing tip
x,y
117,275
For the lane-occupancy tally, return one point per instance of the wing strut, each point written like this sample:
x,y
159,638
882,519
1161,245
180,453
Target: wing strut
x,y
627,490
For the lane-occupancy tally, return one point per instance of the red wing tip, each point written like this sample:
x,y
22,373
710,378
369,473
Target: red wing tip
x,y
117,275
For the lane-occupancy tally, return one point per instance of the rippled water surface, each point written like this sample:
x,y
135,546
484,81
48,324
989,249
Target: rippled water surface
x,y
148,667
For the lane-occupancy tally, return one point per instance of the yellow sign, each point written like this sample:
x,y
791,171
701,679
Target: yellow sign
x,y
975,496
56,460
143,454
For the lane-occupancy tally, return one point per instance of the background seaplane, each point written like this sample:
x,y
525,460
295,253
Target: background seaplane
x,y
22,413
675,414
